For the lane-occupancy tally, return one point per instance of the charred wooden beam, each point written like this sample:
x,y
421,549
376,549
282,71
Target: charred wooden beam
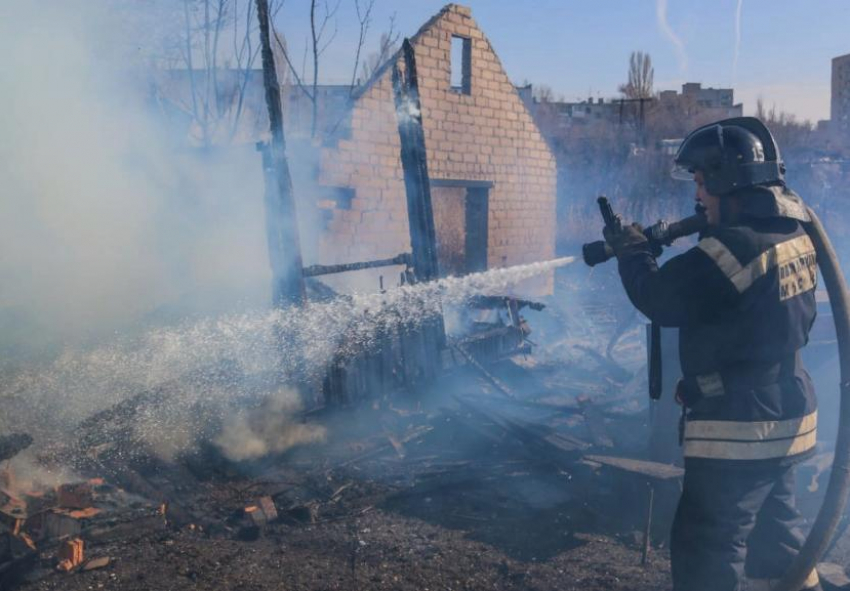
x,y
420,214
423,239
641,468
486,302
314,270
281,221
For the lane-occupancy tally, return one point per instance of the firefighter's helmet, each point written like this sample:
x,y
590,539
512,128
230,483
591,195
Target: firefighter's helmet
x,y
732,154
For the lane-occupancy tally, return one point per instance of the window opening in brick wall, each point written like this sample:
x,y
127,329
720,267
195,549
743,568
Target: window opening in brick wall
x,y
461,77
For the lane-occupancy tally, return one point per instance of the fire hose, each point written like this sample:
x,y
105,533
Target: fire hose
x,y
837,489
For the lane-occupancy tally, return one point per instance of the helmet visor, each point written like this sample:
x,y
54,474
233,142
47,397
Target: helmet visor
x,y
681,172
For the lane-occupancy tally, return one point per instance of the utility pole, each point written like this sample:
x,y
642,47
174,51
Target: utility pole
x,y
281,219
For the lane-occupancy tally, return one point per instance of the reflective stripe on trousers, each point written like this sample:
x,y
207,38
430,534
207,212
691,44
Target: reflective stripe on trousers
x,y
750,440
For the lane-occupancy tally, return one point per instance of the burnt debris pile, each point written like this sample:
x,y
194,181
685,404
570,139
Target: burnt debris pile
x,y
515,453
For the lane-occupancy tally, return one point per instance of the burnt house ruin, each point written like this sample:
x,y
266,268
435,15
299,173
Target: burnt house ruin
x,y
492,174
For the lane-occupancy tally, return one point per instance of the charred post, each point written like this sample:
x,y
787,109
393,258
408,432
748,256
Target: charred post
x,y
423,240
281,220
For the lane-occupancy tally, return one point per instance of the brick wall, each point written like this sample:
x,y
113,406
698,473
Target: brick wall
x,y
487,135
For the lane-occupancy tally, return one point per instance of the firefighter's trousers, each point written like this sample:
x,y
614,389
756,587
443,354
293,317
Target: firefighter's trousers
x,y
734,522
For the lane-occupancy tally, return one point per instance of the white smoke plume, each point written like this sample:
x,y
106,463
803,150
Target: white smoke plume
x,y
664,25
24,473
116,236
105,223
268,429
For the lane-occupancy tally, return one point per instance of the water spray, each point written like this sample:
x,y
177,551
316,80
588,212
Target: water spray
x,y
227,362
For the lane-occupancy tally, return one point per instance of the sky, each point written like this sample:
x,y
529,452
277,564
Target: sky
x,y
777,50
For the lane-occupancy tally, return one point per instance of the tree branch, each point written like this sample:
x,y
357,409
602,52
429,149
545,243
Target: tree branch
x,y
298,79
189,63
315,63
364,17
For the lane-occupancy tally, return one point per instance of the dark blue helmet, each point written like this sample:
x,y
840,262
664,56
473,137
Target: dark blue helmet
x,y
732,154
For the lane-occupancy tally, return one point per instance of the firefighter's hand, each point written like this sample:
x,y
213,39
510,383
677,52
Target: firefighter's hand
x,y
625,239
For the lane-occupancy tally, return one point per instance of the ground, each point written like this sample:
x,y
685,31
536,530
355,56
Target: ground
x,y
462,487
375,549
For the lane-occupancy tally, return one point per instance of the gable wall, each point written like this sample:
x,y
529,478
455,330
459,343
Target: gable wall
x,y
487,135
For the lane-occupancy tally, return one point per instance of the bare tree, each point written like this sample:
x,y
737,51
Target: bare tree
x,y
641,74
543,94
319,43
245,51
364,17
322,17
204,67
387,46
204,21
790,134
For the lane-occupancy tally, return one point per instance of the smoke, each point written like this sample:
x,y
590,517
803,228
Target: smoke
x,y
408,111
24,473
129,259
738,12
73,214
105,221
268,429
664,25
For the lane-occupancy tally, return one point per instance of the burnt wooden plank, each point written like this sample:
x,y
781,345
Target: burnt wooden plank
x,y
644,468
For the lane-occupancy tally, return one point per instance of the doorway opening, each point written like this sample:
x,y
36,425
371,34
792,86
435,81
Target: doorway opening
x,y
461,211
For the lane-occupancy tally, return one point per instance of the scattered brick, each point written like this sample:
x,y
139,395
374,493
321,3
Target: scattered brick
x,y
268,508
256,514
70,554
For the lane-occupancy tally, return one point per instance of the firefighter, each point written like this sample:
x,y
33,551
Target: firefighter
x,y
744,301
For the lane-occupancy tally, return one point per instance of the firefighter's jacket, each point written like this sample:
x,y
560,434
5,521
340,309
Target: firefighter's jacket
x,y
744,301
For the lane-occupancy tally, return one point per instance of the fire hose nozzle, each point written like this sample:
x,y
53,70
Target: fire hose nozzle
x,y
597,252
659,234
